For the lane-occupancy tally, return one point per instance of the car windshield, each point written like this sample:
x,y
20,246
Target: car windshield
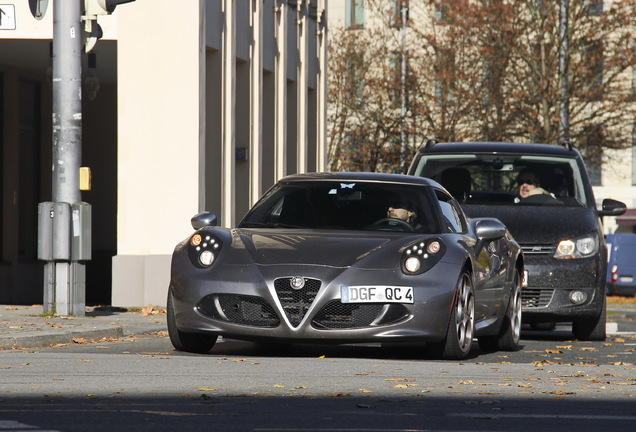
x,y
502,179
345,205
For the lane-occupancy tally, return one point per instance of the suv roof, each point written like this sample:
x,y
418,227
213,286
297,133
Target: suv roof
x,y
566,150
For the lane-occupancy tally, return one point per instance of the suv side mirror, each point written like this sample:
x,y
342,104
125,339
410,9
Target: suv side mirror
x,y
612,208
203,219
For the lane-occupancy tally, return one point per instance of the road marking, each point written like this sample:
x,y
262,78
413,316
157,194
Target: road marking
x,y
549,416
14,426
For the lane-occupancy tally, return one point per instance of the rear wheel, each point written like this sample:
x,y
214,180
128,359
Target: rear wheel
x,y
189,342
459,336
594,329
510,332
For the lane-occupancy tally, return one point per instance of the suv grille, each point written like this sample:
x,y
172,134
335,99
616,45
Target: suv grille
x,y
537,249
536,298
239,309
296,303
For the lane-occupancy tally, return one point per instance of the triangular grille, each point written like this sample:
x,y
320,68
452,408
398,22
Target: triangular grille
x,y
296,302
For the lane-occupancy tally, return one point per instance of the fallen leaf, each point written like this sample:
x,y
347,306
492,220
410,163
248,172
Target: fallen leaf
x,y
80,341
206,389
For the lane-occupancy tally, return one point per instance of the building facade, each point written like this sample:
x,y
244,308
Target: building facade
x,y
201,105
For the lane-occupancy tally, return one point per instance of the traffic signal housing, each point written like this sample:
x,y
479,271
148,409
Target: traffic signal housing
x,y
102,7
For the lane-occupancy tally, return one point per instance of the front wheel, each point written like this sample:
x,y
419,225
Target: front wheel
x,y
190,342
459,336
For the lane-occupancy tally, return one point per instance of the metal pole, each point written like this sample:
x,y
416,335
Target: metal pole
x,y
403,88
67,143
564,122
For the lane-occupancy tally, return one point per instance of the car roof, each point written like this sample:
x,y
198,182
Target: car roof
x,y
566,150
360,177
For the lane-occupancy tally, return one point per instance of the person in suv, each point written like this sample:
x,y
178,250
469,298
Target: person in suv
x,y
559,229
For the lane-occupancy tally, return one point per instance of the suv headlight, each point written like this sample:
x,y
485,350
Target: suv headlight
x,y
579,247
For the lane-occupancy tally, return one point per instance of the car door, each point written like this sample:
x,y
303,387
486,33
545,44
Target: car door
x,y
489,265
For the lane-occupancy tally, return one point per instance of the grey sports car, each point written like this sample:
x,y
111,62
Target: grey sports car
x,y
349,258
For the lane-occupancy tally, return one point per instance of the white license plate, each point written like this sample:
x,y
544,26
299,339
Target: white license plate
x,y
376,294
627,279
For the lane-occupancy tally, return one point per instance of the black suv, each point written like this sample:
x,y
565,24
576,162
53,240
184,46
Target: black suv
x,y
543,194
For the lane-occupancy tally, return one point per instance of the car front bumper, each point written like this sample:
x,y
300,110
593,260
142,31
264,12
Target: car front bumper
x,y
244,302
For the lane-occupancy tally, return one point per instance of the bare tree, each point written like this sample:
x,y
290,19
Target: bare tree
x,y
482,70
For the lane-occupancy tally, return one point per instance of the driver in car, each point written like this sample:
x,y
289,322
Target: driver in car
x,y
401,210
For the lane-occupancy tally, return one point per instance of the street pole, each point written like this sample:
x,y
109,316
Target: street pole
x,y
564,121
403,88
67,276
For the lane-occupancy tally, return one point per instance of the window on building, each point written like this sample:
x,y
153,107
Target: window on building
x,y
443,12
354,14
593,61
593,7
398,13
592,153
355,78
634,154
444,74
395,67
634,70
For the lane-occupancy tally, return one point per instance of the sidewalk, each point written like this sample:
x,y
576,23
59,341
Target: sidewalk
x,y
27,327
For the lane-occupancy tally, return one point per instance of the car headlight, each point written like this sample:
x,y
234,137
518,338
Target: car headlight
x,y
421,256
203,249
579,247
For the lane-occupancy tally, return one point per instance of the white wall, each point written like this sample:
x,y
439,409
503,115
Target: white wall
x,y
158,142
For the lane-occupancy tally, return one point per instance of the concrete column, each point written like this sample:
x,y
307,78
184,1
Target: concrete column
x,y
321,88
302,42
256,105
229,103
280,70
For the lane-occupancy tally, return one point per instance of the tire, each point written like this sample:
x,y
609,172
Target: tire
x,y
190,342
593,329
510,331
459,336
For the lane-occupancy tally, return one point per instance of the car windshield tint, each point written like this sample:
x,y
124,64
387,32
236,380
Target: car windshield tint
x,y
345,205
507,179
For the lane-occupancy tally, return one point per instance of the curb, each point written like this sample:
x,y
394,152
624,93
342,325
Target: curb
x,y
39,339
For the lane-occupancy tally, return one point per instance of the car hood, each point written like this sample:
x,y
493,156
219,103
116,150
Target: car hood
x,y
336,248
540,224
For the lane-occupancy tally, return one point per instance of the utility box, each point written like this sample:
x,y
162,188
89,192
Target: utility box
x,y
81,224
61,231
45,231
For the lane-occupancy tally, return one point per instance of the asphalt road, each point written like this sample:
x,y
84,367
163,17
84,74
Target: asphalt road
x,y
142,384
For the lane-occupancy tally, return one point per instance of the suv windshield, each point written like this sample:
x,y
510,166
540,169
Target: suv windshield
x,y
345,205
504,179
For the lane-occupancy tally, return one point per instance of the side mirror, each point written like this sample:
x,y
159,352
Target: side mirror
x,y
489,229
612,208
203,219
